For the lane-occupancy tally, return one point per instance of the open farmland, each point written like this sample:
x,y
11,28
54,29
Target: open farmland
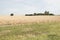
x,y
28,19
30,28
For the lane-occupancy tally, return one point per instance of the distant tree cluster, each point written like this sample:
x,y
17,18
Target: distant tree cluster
x,y
37,14
28,14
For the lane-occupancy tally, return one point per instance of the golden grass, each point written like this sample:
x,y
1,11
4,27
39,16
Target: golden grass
x,y
27,19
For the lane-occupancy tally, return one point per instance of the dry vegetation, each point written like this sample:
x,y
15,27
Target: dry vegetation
x,y
41,28
27,19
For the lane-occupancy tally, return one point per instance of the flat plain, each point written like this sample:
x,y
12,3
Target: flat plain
x,y
28,19
30,28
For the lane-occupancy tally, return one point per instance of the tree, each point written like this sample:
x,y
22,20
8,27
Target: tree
x,y
35,14
46,13
11,14
51,14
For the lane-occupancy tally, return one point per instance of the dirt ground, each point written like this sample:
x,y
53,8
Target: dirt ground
x,y
27,19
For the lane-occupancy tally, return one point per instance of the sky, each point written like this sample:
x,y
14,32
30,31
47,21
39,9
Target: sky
x,y
22,7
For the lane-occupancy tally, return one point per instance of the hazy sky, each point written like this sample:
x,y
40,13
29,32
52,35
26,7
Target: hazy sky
x,y
21,7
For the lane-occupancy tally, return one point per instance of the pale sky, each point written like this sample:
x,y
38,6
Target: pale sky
x,y
21,7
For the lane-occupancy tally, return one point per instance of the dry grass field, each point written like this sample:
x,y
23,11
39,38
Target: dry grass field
x,y
27,19
30,28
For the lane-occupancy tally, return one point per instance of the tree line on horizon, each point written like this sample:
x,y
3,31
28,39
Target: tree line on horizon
x,y
38,14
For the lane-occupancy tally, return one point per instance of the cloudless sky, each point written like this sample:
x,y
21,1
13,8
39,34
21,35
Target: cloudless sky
x,y
21,7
